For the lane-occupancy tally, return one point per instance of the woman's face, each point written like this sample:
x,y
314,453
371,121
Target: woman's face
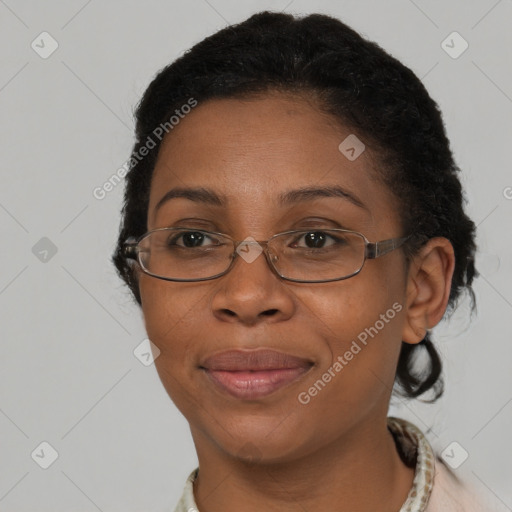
x,y
249,153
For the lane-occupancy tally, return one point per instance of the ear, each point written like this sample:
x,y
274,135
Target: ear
x,y
428,288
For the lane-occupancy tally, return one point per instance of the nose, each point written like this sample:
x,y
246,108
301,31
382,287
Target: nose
x,y
251,292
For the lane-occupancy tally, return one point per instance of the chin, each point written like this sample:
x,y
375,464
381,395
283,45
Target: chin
x,y
261,442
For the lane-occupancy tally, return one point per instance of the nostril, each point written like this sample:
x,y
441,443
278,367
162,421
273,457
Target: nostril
x,y
269,312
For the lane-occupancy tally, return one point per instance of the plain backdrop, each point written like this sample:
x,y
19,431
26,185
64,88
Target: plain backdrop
x,y
69,377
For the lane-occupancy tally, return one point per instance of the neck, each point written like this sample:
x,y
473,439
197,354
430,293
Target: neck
x,y
360,471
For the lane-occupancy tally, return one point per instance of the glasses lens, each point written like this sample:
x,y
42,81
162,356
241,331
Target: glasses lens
x,y
185,254
318,255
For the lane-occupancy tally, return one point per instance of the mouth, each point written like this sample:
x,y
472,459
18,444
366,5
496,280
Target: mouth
x,y
253,374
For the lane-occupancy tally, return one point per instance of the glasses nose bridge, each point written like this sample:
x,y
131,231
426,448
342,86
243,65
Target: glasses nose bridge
x,y
263,243
265,246
269,256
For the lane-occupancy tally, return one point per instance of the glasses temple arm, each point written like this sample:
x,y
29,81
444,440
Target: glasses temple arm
x,y
374,250
130,250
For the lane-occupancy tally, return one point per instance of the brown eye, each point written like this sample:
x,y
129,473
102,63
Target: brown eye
x,y
318,240
189,239
192,239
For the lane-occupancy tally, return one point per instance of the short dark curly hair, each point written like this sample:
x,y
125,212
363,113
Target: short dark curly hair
x,y
363,88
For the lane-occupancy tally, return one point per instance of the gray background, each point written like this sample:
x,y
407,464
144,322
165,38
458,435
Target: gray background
x,y
68,374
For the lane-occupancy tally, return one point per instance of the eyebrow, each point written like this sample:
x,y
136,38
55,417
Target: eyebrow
x,y
310,193
208,196
197,194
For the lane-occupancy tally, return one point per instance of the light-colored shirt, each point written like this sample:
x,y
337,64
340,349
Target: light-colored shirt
x,y
435,487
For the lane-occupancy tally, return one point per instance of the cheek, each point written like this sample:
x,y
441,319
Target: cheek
x,y
174,321
174,314
346,308
360,325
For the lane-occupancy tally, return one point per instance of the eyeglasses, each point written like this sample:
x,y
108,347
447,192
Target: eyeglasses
x,y
303,256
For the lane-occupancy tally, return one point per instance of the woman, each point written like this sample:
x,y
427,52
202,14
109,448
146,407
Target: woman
x,y
293,228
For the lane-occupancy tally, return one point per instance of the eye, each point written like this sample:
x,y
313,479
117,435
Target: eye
x,y
192,239
318,240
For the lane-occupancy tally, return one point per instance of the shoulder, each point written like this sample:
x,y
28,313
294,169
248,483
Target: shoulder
x,y
436,488
450,494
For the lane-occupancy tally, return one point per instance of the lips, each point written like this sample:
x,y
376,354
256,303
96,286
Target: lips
x,y
240,360
253,374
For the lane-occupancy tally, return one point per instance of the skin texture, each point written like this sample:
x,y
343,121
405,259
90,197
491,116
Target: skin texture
x,y
276,453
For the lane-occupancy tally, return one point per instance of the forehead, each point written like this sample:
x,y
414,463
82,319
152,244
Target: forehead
x,y
251,151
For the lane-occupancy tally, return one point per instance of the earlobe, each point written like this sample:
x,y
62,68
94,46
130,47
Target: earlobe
x,y
428,288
